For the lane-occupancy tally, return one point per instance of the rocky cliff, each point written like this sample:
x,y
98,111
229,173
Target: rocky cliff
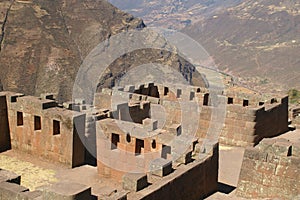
x,y
44,42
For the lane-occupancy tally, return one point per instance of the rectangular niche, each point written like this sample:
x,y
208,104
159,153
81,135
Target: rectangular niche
x,y
37,123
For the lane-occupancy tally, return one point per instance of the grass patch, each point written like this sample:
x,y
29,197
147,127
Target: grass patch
x,y
294,96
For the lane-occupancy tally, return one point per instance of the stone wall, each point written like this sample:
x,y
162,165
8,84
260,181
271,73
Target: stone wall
x,y
296,117
193,181
246,126
271,170
119,151
296,122
248,118
38,127
10,188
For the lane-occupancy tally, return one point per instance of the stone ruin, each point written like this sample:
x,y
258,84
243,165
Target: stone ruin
x,y
10,188
39,127
271,170
296,118
139,136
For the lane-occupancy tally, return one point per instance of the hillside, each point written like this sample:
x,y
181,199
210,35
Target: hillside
x,y
172,14
256,41
44,41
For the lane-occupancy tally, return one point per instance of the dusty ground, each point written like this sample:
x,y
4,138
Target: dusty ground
x,y
37,173
34,172
230,161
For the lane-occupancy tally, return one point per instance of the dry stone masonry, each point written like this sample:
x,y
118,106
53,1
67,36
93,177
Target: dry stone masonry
x,y
271,170
147,137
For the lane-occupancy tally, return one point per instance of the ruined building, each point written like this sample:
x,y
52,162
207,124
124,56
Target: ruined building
x,y
270,170
146,137
296,117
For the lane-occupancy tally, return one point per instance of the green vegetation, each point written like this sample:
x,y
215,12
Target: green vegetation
x,y
294,96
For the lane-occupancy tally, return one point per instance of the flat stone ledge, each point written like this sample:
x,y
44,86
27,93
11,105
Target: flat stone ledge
x,y
161,167
67,191
134,181
7,176
11,191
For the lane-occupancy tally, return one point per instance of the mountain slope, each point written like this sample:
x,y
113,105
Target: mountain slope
x,y
254,40
173,14
258,41
45,41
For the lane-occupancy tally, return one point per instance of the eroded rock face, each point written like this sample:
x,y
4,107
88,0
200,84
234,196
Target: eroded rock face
x,y
44,42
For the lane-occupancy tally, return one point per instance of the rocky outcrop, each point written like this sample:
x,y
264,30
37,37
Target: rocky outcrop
x,y
44,42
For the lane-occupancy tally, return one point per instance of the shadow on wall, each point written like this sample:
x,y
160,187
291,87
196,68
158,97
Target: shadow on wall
x,y
4,126
224,188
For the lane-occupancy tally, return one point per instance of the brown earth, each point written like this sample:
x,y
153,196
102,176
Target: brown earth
x,y
255,41
44,42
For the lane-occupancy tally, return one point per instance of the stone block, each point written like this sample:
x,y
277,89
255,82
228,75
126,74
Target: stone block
x,y
104,192
129,88
118,88
175,129
10,191
246,174
67,191
183,158
153,100
284,161
274,159
47,96
249,164
7,176
161,167
34,195
118,196
296,149
79,101
266,143
68,105
295,161
150,124
199,148
209,145
254,153
14,96
266,168
283,148
134,181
